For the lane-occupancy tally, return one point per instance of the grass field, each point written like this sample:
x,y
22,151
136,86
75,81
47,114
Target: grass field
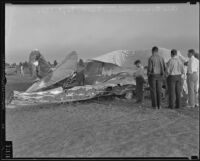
x,y
111,128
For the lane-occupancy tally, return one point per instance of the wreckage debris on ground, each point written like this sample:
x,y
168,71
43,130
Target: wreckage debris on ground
x,y
109,74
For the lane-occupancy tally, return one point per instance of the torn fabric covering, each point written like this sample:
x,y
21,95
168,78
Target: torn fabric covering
x,y
118,57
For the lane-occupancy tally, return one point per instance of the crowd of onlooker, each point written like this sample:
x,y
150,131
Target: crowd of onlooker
x,y
178,76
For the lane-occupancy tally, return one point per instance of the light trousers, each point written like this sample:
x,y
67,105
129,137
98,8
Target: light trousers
x,y
192,83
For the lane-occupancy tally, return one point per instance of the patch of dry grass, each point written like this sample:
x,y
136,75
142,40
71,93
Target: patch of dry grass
x,y
109,128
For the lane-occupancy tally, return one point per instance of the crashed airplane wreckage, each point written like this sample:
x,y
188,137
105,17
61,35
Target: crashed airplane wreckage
x,y
70,81
108,74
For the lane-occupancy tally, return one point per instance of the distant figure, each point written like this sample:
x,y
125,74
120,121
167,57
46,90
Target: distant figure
x,y
192,79
140,80
175,70
22,70
156,71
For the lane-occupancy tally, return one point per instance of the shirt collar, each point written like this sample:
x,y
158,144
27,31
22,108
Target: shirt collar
x,y
192,57
36,63
155,54
141,67
175,57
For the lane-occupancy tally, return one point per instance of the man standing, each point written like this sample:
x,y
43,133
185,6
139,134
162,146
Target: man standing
x,y
156,72
192,79
175,70
139,75
22,70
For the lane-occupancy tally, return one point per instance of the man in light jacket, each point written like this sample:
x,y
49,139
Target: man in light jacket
x,y
192,79
175,70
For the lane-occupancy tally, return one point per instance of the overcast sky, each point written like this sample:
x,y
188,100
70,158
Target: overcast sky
x,y
92,30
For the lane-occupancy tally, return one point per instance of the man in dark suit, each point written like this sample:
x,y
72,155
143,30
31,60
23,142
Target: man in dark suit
x,y
156,72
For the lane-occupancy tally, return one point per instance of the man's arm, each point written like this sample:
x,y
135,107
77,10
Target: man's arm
x,y
168,66
136,73
149,68
164,66
182,68
195,65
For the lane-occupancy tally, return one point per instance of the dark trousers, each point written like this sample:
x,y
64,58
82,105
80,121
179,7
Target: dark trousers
x,y
174,84
155,83
139,88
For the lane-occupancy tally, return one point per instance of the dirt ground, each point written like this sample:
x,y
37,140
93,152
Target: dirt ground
x,y
109,128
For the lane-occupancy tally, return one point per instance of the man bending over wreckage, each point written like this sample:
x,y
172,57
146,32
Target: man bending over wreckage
x,y
39,65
